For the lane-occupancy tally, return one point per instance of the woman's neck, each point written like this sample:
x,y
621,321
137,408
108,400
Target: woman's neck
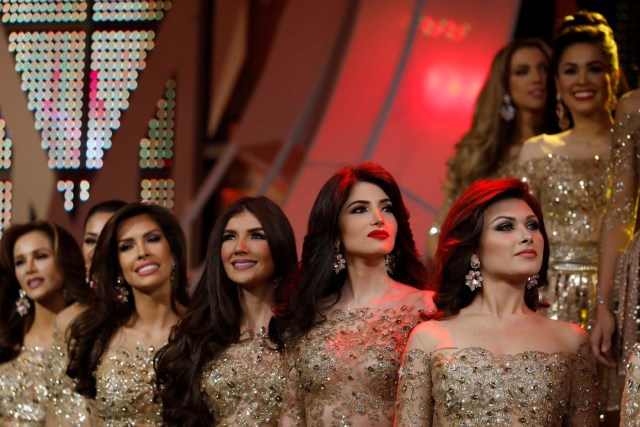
x,y
154,313
366,281
256,307
40,333
499,298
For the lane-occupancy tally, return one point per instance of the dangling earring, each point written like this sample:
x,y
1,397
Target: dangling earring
x,y
339,263
390,262
23,304
532,281
173,273
507,110
474,278
561,112
122,293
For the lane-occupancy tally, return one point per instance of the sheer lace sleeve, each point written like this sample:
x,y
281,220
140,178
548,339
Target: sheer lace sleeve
x,y
414,402
619,219
65,407
630,410
293,410
583,399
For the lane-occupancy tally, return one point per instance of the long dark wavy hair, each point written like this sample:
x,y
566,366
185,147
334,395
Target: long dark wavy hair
x,y
591,28
70,264
212,321
316,286
460,238
93,329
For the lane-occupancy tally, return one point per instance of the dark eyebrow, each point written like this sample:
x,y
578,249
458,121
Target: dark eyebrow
x,y
130,239
366,202
251,230
511,218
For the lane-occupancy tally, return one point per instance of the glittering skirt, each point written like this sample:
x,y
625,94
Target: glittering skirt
x,y
571,295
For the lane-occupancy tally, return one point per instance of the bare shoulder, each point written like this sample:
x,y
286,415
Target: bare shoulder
x,y
65,318
534,147
568,336
427,336
423,299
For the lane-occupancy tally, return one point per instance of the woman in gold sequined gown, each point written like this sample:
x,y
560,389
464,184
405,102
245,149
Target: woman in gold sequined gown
x,y
42,272
66,407
513,105
220,368
630,407
491,360
140,267
617,232
351,308
568,172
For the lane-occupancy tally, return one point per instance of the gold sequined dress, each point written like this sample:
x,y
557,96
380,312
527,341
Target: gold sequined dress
x,y
23,389
125,386
245,383
66,407
572,194
624,190
473,387
344,371
630,410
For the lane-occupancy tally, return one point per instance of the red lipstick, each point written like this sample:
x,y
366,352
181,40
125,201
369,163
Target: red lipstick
x,y
378,234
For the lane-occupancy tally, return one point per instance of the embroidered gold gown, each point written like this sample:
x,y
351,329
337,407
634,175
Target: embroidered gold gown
x,y
66,407
472,387
125,386
624,189
572,194
244,385
343,372
23,389
630,408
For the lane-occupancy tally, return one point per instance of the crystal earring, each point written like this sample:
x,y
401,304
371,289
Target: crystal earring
x,y
561,112
507,110
532,281
474,279
339,263
122,293
22,304
390,262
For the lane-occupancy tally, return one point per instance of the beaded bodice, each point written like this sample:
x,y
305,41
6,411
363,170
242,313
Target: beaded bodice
x,y
125,386
572,194
245,383
23,389
344,371
473,387
66,406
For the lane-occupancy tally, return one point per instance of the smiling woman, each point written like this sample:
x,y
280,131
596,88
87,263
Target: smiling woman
x,y
352,304
140,267
42,272
220,368
568,172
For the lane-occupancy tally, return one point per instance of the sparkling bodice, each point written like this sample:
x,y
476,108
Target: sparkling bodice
x,y
245,383
23,389
473,387
572,194
344,371
66,406
125,386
